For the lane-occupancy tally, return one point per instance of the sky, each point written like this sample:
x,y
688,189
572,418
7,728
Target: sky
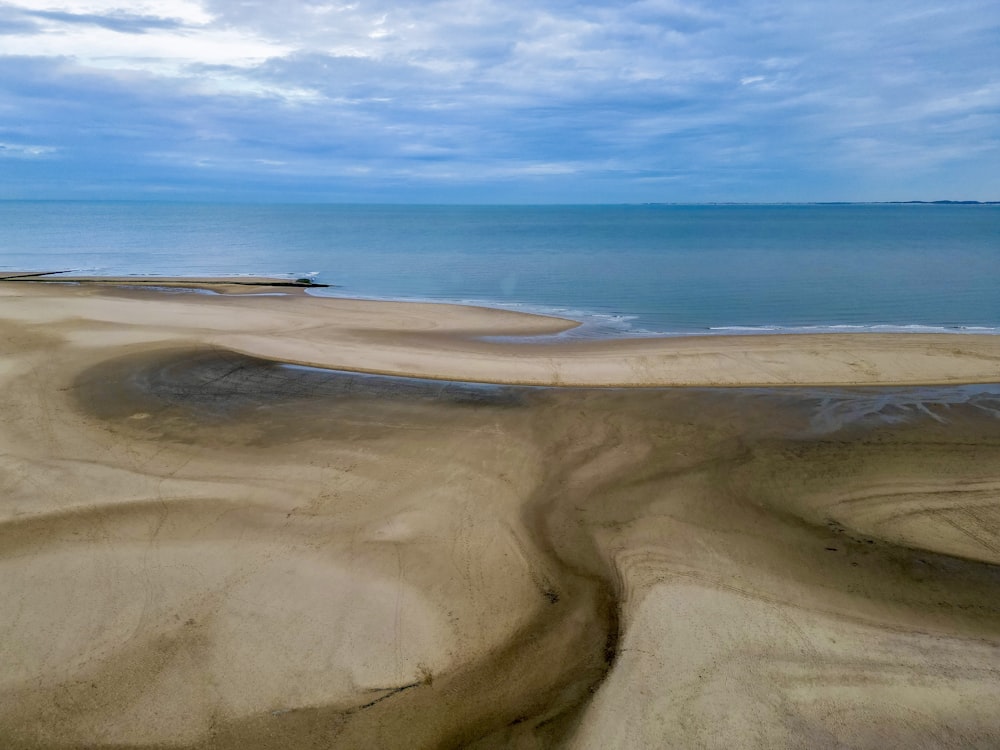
x,y
520,101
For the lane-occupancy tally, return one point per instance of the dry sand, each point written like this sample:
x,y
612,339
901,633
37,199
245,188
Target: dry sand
x,y
203,548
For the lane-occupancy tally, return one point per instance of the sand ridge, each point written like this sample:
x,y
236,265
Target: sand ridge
x,y
201,548
447,341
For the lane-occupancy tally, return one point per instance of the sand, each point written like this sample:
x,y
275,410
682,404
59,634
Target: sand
x,y
201,547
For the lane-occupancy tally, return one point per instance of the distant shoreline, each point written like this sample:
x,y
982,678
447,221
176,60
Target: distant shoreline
x,y
833,203
65,277
946,202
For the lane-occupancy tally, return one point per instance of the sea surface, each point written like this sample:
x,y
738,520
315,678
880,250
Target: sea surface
x,y
623,270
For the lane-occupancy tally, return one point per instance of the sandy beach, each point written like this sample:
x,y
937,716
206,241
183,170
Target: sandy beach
x,y
203,547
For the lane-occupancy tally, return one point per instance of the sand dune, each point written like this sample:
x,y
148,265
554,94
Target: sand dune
x,y
203,548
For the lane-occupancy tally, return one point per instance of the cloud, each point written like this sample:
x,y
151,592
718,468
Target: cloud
x,y
754,100
125,23
182,11
164,49
24,151
16,22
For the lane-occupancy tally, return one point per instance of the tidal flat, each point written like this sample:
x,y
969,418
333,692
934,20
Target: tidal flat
x,y
204,547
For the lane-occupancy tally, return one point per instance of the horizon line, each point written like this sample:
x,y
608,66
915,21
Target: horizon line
x,y
938,202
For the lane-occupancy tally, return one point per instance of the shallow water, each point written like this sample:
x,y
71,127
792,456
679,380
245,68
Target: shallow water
x,y
217,385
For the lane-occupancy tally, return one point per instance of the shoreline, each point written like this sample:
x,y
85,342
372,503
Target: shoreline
x,y
442,341
588,324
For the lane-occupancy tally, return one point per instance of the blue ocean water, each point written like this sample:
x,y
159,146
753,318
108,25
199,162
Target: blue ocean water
x,y
625,269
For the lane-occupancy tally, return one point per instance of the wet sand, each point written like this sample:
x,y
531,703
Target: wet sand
x,y
202,547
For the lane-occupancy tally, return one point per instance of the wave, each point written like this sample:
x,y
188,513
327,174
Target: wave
x,y
592,324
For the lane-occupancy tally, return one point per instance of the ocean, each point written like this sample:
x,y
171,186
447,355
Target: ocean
x,y
622,270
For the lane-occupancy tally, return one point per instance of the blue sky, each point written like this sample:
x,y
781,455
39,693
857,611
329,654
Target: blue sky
x,y
512,102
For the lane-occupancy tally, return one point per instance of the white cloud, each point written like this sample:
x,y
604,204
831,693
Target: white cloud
x,y
540,169
233,84
152,51
187,11
25,151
